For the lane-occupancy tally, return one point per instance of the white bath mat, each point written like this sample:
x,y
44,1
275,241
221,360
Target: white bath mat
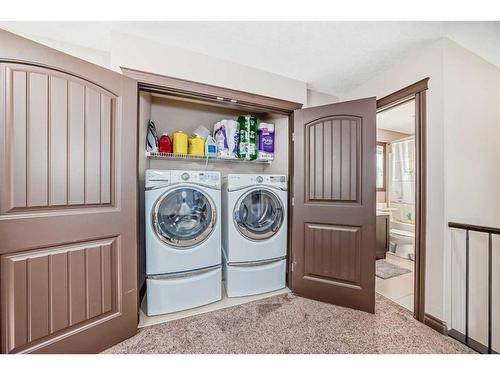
x,y
386,270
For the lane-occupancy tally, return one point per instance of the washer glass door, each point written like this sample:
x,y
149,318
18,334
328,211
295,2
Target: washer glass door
x,y
258,214
184,217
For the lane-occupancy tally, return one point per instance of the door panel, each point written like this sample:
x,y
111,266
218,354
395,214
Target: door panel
x,y
58,136
68,255
48,291
332,154
67,122
333,219
76,140
334,253
36,147
108,105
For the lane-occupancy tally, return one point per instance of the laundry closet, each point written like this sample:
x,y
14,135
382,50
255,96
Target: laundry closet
x,y
172,109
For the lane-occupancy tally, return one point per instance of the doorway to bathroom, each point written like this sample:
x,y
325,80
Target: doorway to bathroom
x,y
395,221
400,221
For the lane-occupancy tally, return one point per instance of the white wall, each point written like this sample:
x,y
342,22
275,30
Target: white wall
x,y
137,53
472,180
427,62
472,143
316,98
463,154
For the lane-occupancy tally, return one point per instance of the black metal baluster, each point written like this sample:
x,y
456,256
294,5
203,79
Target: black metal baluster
x,y
490,246
458,335
467,287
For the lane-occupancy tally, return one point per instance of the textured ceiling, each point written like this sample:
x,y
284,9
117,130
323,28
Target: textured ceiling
x,y
330,56
399,119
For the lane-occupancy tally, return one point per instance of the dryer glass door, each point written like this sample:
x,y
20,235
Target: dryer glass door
x,y
184,217
258,214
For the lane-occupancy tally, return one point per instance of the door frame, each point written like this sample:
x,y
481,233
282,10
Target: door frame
x,y
417,92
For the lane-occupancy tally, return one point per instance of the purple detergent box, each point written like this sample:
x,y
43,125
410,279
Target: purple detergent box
x,y
265,133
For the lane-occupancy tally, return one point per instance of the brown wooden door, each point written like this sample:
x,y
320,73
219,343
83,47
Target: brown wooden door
x,y
67,202
333,213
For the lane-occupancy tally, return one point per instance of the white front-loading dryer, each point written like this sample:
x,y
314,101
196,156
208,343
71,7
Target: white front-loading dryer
x,y
183,239
254,239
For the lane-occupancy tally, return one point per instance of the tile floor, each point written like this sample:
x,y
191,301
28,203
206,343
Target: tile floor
x,y
400,288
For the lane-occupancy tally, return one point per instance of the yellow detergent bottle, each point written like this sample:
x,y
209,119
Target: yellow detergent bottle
x,y
196,146
180,140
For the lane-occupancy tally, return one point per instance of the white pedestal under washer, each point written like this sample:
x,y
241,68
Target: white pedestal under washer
x,y
183,239
254,236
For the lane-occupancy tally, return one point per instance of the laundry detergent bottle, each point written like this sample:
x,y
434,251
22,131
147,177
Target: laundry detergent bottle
x,y
196,146
210,146
180,143
165,143
266,141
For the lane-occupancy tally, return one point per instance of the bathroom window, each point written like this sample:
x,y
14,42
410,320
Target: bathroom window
x,y
381,166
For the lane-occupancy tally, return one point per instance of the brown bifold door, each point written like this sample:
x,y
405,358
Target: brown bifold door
x,y
68,243
333,213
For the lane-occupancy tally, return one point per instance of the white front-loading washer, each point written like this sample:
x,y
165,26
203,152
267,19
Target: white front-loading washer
x,y
183,240
254,238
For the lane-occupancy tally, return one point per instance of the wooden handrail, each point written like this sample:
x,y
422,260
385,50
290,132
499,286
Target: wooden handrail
x,y
474,228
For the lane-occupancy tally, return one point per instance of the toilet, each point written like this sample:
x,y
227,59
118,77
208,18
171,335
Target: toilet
x,y
402,243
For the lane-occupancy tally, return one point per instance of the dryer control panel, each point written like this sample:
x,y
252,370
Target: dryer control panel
x,y
240,181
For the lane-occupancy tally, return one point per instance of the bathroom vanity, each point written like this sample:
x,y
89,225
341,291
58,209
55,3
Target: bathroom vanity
x,y
382,234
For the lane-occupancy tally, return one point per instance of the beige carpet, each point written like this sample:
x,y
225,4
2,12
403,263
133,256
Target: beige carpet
x,y
291,324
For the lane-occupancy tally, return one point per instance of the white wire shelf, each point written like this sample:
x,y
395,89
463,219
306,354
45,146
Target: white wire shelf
x,y
169,156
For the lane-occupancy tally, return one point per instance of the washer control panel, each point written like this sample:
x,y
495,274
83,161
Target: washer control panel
x,y
207,178
155,178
